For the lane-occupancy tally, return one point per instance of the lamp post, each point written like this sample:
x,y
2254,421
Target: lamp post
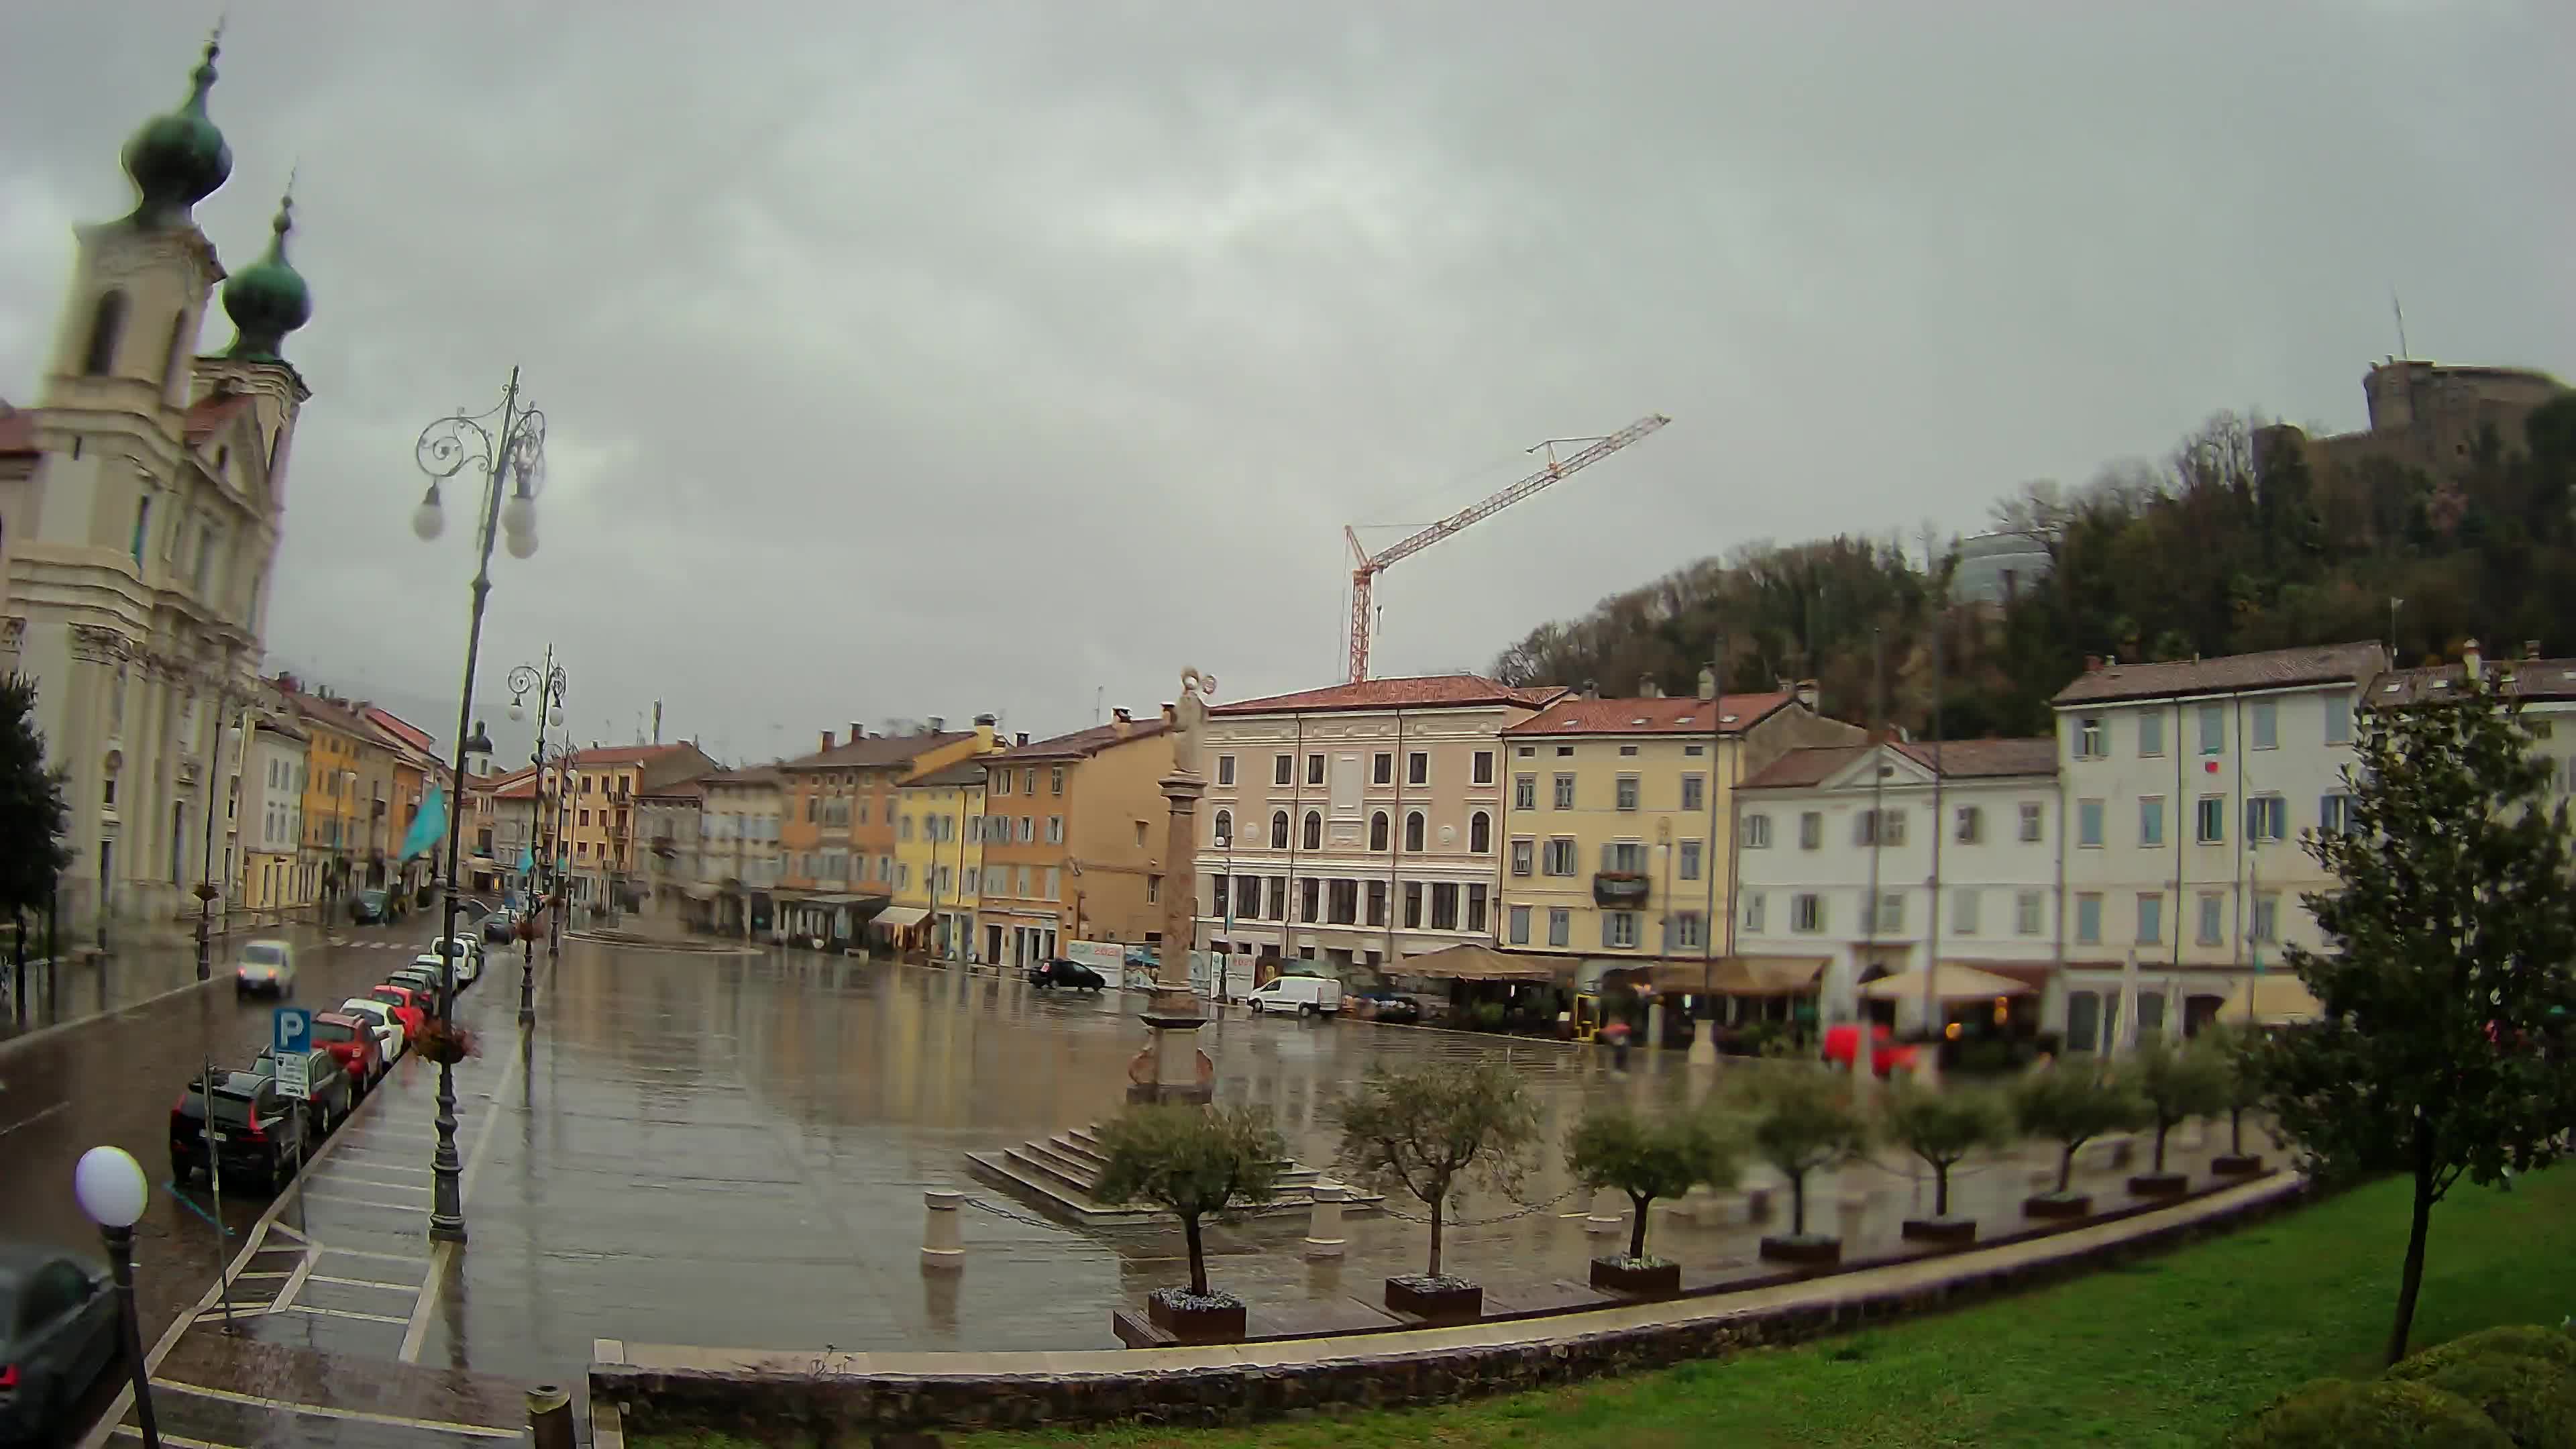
x,y
508,444
547,683
112,1190
206,891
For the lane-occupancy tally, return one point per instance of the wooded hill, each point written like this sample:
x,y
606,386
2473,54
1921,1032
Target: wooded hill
x,y
2204,553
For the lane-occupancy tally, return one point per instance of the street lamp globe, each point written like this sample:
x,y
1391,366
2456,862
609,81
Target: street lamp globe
x,y
428,521
518,711
519,515
522,544
111,1187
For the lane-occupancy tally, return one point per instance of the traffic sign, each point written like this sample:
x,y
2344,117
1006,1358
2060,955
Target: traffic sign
x,y
291,1078
291,1031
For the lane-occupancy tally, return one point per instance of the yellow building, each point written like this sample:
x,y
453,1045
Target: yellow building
x,y
939,856
346,777
1615,820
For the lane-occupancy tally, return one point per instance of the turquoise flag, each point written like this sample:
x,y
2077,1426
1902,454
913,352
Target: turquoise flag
x,y
428,827
527,861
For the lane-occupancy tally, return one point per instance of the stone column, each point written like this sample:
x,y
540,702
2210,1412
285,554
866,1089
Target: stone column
x,y
1324,1222
1172,1068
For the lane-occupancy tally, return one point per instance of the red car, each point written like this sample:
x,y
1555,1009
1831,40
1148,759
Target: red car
x,y
405,1005
1842,1043
351,1043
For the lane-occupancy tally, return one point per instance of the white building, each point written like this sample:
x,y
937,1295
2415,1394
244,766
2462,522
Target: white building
x,y
1362,819
2186,787
1835,860
275,873
138,546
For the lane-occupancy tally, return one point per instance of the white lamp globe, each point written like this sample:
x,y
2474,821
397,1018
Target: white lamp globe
x,y
111,1187
519,516
518,711
428,521
522,544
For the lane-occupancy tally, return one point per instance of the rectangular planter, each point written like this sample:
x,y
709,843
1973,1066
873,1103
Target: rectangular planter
x,y
1196,1323
1948,1232
2057,1209
2233,1165
1806,1252
1456,1304
1659,1280
2159,1184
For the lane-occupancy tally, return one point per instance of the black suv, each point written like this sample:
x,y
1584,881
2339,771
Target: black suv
x,y
258,1131
330,1095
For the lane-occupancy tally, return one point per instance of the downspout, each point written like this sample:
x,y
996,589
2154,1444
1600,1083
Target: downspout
x,y
1296,824
2182,834
2244,836
1395,845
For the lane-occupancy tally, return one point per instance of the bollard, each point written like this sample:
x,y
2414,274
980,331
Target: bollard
x,y
1324,1223
943,1244
550,1417
1605,1216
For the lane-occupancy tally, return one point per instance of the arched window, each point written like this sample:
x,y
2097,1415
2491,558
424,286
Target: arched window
x,y
1413,830
1377,831
106,325
1314,830
1480,833
1225,827
1279,830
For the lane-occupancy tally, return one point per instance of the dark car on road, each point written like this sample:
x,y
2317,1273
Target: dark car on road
x,y
259,1134
351,1043
57,1335
499,926
1387,1006
1071,974
329,1094
367,908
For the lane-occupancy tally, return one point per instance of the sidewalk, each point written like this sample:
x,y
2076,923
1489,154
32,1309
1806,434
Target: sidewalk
x,y
86,984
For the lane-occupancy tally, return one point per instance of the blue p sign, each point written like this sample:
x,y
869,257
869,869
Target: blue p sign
x,y
291,1030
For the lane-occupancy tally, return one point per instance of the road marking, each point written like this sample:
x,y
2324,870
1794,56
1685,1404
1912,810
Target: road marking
x,y
36,1118
345,1181
294,1281
418,1328
173,1440
355,1416
263,1273
339,1313
435,1279
368,1253
366,1202
365,1283
355,1161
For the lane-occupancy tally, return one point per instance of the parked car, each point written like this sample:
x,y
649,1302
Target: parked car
x,y
1842,1043
410,1007
368,908
1305,995
266,967
259,1135
1389,1007
422,976
499,928
329,1097
353,1044
380,1017
58,1333
1070,974
467,951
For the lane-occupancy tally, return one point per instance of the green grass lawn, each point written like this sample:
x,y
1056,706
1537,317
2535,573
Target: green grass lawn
x,y
2168,1351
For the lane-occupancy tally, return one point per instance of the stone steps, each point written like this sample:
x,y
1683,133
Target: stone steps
x,y
1061,1176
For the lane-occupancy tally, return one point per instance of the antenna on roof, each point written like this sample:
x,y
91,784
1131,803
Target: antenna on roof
x,y
2400,309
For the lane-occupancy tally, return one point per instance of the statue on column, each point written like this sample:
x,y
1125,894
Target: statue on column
x,y
1189,720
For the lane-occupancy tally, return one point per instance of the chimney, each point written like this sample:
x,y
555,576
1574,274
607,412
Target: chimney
x,y
1708,684
1591,689
1805,690
827,740
856,734
987,720
1021,738
1649,689
2530,648
1119,722
938,724
287,682
2470,660
2092,663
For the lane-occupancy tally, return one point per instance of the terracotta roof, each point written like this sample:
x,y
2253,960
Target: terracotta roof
x,y
2272,669
875,750
599,755
1424,692
330,713
1960,760
747,775
2513,678
965,774
208,414
401,729
1079,745
695,789
17,430
281,724
1658,716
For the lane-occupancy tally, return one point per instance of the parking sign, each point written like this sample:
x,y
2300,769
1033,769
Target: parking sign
x,y
291,1031
292,1080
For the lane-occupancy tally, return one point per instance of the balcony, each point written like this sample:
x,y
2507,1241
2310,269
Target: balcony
x,y
1622,889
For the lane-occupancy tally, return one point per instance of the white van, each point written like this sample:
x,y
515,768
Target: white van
x,y
1305,995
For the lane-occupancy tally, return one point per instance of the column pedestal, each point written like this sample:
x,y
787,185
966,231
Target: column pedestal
x,y
1171,1068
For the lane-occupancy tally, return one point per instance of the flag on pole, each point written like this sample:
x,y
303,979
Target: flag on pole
x,y
429,827
527,861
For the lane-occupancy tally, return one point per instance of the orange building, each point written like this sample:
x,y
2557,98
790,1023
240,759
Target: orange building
x,y
838,828
1073,840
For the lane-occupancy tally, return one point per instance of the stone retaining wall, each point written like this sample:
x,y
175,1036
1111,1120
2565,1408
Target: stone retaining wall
x,y
776,1404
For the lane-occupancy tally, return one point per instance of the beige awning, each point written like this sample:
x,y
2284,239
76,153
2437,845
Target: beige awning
x,y
2270,1001
895,918
1764,975
1949,983
1470,962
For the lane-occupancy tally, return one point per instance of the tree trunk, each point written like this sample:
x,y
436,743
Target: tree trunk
x,y
1198,1256
1637,1229
2162,1127
2066,1166
1798,1205
1435,1238
2236,1131
1940,1189
2410,1279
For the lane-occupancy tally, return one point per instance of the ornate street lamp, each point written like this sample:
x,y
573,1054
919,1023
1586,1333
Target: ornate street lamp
x,y
112,1190
508,445
547,683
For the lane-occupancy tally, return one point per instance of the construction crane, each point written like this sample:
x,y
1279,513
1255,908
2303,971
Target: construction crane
x,y
1370,565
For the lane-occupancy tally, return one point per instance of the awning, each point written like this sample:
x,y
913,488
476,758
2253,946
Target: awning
x,y
1949,983
835,901
895,918
2271,1001
1467,961
1765,975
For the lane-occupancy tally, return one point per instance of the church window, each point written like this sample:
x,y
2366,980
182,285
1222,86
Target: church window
x,y
142,528
106,324
170,365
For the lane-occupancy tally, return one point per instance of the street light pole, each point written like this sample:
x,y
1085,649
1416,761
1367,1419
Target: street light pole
x,y
516,455
547,683
112,1190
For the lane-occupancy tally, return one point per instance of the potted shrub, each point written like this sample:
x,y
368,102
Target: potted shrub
x,y
1804,1120
1431,1131
1942,1128
2070,1104
2234,1048
444,1041
1195,1163
1647,1158
2177,1084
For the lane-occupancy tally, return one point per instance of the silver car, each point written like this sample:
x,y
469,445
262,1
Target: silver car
x,y
266,967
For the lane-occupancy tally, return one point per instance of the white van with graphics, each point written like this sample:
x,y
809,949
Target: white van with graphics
x,y
1304,995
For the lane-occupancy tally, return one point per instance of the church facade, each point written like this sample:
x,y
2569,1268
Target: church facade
x,y
139,545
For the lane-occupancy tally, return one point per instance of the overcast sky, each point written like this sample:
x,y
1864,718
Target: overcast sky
x,y
942,358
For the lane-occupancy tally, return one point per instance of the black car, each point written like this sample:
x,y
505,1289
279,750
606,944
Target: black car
x,y
259,1132
499,928
58,1333
1388,1007
330,1094
367,908
1060,972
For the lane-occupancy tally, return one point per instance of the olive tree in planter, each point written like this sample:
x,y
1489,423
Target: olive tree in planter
x,y
2070,1104
1432,1131
2177,1084
1804,1120
2235,1048
1942,1128
1647,1158
1195,1163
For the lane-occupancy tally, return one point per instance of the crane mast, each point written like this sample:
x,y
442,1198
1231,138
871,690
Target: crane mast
x,y
1369,566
